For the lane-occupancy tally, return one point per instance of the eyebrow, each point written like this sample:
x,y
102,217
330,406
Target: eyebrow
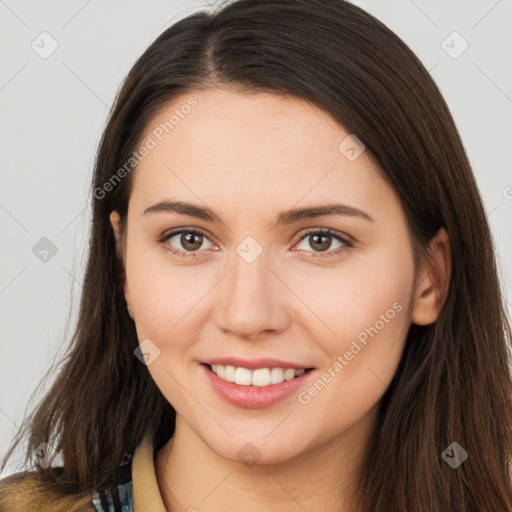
x,y
284,217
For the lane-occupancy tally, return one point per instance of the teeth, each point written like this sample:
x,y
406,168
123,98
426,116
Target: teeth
x,y
289,374
260,377
230,373
221,371
242,376
276,375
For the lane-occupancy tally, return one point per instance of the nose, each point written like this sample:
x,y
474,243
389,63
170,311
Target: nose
x,y
254,301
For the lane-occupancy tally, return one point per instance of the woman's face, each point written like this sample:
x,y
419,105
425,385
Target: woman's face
x,y
260,287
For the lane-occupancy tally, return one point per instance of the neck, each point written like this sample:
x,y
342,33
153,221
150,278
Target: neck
x,y
192,477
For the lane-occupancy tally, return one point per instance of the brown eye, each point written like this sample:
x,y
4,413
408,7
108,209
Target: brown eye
x,y
191,241
321,240
186,241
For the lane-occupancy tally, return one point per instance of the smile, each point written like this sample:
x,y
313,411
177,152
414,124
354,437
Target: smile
x,y
259,377
255,388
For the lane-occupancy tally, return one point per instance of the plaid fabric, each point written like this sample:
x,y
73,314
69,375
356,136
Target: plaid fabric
x,y
119,496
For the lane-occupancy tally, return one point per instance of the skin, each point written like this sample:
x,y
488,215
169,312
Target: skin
x,y
247,157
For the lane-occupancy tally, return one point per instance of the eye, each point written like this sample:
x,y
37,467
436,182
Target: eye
x,y
190,240
321,240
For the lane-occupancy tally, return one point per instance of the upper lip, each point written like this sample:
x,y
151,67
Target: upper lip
x,y
253,364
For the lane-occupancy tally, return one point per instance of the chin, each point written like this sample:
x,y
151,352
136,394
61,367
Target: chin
x,y
257,449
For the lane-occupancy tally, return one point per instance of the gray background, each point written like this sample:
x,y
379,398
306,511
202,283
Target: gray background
x,y
53,111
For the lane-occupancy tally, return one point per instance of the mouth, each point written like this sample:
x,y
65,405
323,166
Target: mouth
x,y
258,377
257,388
255,383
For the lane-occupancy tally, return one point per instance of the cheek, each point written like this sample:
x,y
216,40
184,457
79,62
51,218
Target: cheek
x,y
371,292
369,312
367,309
165,297
165,301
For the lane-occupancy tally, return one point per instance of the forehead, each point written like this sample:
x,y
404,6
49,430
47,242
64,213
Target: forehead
x,y
261,148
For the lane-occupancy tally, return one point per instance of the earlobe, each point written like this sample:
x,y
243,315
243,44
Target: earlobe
x,y
433,282
115,223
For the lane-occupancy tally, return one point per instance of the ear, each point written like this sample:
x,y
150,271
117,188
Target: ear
x,y
115,223
433,281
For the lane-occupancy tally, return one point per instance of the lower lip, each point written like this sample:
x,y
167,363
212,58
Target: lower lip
x,y
254,397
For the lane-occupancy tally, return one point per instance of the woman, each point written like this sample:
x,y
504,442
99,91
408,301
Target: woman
x,y
291,299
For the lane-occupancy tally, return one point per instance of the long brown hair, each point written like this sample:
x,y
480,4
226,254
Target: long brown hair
x,y
453,383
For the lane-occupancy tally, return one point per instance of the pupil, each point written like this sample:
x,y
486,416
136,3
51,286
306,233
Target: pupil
x,y
190,236
326,244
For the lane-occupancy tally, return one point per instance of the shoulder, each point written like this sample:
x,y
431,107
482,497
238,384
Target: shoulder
x,y
22,492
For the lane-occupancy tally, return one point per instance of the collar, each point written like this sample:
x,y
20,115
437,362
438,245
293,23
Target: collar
x,y
146,493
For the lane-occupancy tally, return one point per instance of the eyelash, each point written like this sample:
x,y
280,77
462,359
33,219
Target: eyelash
x,y
347,243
